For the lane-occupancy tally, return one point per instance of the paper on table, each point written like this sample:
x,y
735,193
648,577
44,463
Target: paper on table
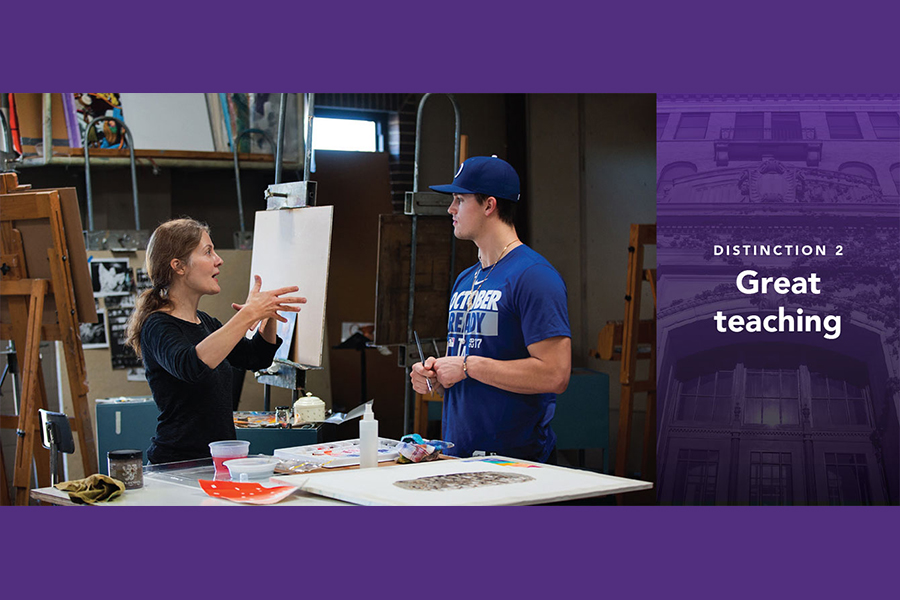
x,y
338,418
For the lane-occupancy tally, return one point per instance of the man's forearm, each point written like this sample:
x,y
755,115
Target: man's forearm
x,y
523,376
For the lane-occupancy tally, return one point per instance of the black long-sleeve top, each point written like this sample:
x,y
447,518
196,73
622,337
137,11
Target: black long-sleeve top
x,y
195,402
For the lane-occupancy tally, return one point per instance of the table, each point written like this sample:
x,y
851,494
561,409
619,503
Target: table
x,y
176,485
165,486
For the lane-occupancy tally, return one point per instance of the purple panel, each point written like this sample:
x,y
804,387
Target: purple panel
x,y
779,269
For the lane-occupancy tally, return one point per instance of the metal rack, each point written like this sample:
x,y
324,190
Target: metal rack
x,y
216,160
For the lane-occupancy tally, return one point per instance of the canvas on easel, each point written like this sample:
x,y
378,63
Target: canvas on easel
x,y
293,247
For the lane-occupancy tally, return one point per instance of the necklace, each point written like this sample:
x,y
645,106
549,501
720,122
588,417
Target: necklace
x,y
474,291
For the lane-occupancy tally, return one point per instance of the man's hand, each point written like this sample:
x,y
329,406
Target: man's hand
x,y
422,371
449,370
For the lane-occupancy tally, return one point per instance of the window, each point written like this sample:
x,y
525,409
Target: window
x,y
843,126
692,126
349,129
695,477
858,169
886,125
748,126
706,399
661,120
836,403
848,479
786,126
772,397
770,479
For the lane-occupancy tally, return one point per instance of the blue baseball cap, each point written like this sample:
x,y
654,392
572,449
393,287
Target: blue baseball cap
x,y
486,175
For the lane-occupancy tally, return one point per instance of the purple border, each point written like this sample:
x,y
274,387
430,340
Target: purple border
x,y
590,551
767,46
541,552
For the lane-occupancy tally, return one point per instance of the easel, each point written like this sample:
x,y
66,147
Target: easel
x,y
26,297
628,335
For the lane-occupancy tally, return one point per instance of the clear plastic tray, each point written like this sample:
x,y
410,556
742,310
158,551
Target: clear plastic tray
x,y
337,454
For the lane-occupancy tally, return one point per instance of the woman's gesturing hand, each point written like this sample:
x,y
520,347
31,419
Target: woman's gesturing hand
x,y
265,304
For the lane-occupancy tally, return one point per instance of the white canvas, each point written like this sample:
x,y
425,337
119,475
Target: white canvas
x,y
168,121
293,247
375,487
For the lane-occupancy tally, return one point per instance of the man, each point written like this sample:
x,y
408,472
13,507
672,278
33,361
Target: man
x,y
509,348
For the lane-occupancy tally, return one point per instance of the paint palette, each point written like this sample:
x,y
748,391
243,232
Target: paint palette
x,y
337,454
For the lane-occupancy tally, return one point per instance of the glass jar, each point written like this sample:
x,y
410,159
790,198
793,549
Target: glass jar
x,y
283,416
127,467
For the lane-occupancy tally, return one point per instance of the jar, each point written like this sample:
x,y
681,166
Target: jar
x,y
283,416
127,467
308,409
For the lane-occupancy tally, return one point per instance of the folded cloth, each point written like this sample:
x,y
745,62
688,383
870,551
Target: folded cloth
x,y
96,488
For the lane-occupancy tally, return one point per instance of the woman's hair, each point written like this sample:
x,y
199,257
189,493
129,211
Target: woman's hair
x,y
173,239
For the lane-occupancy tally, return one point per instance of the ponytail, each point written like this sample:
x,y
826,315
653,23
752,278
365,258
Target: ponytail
x,y
147,303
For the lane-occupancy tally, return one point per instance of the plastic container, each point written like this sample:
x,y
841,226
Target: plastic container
x,y
127,467
308,409
250,468
228,449
368,439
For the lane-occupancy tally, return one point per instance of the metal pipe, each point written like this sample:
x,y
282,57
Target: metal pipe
x,y
418,137
47,128
282,111
87,169
310,111
7,133
414,239
237,170
112,161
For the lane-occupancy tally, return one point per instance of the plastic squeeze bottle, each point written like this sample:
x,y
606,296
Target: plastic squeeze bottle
x,y
368,439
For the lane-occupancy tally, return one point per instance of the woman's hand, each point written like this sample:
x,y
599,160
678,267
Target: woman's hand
x,y
266,304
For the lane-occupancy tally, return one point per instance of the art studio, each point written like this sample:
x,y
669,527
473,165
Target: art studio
x,y
328,299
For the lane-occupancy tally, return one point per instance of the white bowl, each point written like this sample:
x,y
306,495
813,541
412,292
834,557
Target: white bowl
x,y
252,468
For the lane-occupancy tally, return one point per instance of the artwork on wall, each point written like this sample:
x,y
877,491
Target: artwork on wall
x,y
111,277
94,335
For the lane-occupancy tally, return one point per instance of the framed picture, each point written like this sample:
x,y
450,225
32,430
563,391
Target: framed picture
x,y
111,277
95,335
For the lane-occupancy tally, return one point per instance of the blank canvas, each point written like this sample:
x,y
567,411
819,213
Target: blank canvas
x,y
293,247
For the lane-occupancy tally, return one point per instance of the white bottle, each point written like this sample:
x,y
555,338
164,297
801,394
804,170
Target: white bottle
x,y
368,439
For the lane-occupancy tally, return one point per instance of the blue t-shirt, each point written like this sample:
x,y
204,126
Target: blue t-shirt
x,y
520,302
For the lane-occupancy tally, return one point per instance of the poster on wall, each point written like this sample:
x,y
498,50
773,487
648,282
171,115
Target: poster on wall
x,y
94,335
778,280
111,277
118,309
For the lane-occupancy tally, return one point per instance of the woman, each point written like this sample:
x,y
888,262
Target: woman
x,y
188,355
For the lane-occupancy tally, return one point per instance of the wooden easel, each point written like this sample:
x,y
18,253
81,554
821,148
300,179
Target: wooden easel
x,y
619,340
26,298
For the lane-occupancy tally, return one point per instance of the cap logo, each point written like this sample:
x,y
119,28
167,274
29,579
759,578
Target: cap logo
x,y
459,171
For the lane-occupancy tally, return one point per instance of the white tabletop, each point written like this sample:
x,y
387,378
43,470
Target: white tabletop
x,y
158,491
175,485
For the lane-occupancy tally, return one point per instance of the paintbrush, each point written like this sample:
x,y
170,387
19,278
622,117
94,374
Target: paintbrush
x,y
422,358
